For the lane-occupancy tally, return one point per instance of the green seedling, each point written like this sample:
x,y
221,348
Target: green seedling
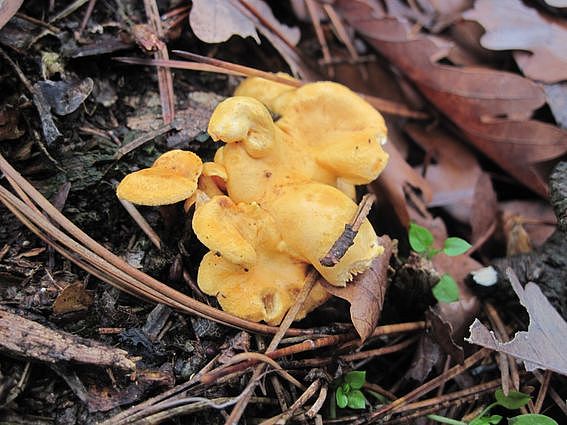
x,y
513,401
421,241
348,392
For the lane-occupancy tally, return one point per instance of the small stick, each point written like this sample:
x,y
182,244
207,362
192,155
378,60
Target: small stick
x,y
38,22
141,221
508,360
346,239
238,410
68,10
425,388
380,390
383,105
542,391
165,78
285,416
553,394
87,16
345,38
313,410
144,138
320,35
379,351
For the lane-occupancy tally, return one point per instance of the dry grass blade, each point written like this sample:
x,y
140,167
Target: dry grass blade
x,y
97,260
165,79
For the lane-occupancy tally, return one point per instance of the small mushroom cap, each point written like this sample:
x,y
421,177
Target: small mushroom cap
x,y
243,120
172,178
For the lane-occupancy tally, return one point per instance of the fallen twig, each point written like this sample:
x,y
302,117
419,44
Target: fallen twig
x,y
346,239
28,339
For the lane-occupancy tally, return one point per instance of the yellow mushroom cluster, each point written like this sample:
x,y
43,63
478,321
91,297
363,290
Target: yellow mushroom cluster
x,y
277,195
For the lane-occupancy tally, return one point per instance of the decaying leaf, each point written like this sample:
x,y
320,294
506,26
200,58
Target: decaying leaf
x,y
452,173
490,107
484,209
8,8
544,345
73,297
65,97
215,21
396,182
511,25
366,291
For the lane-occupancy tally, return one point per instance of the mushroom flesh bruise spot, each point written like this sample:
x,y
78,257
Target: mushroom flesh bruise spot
x,y
277,195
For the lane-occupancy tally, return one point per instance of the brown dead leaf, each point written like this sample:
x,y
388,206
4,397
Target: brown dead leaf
x,y
453,172
73,297
215,21
8,8
511,25
366,291
490,107
442,334
484,211
544,345
396,182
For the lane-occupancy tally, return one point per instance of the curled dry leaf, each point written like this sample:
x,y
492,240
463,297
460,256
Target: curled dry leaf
x,y
366,291
511,25
215,21
489,107
73,298
8,8
442,333
544,345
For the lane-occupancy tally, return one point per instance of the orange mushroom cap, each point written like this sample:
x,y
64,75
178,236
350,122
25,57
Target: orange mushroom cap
x,y
248,268
172,178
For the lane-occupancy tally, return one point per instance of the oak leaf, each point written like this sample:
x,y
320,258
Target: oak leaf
x,y
544,345
511,25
